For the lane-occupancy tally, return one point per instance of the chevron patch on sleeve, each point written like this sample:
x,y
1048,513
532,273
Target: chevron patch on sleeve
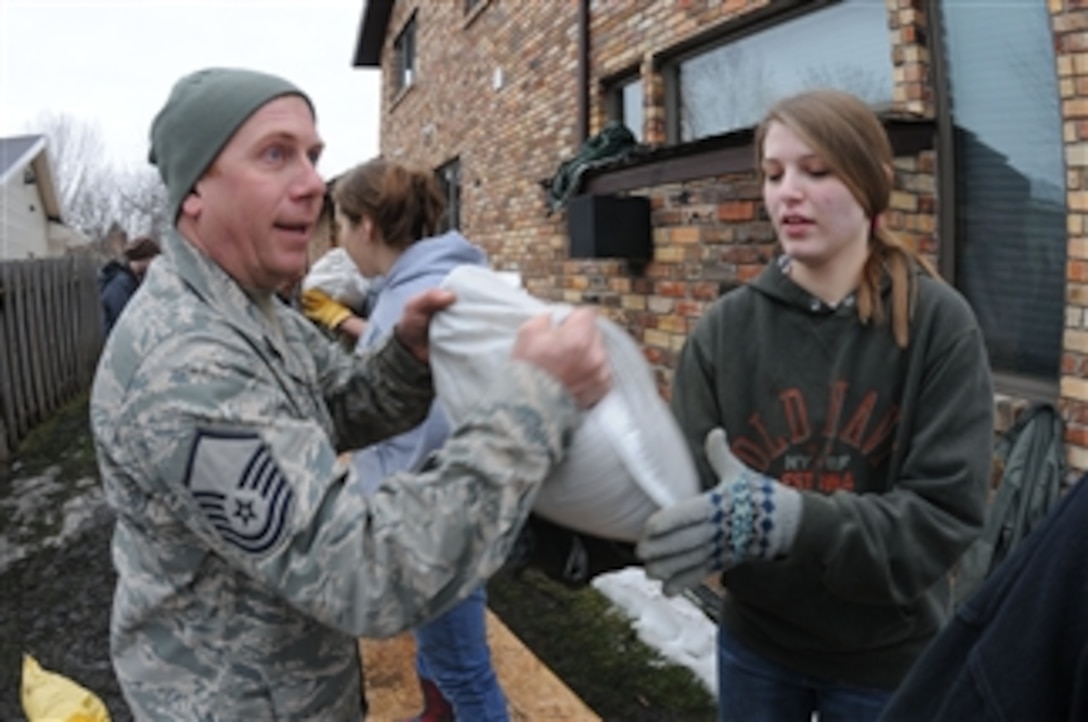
x,y
240,489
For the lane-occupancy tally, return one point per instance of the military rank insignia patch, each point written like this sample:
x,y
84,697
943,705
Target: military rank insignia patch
x,y
240,488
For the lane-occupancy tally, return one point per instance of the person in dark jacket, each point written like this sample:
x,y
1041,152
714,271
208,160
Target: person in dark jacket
x,y
1017,648
118,280
840,409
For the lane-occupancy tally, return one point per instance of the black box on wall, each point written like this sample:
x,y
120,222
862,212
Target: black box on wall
x,y
602,226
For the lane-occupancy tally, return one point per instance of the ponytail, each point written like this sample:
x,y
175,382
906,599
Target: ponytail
x,y
888,256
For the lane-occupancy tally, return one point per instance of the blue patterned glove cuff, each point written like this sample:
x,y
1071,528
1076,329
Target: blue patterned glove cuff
x,y
744,518
754,517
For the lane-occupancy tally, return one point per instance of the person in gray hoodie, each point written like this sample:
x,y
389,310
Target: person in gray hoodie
x,y
388,216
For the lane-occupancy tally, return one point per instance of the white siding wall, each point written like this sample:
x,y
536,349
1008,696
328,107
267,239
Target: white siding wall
x,y
23,225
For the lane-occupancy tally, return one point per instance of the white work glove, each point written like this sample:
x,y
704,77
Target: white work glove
x,y
746,517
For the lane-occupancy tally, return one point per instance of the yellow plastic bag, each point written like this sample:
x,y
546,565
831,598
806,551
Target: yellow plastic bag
x,y
51,697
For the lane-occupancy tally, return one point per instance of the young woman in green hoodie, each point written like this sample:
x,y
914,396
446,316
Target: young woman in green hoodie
x,y
840,409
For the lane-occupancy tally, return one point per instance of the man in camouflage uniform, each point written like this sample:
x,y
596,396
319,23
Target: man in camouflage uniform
x,y
248,563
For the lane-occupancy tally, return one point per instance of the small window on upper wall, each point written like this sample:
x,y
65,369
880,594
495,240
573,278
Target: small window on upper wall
x,y
471,5
626,104
730,86
404,53
449,180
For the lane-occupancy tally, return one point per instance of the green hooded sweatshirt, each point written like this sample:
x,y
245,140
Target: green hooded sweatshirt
x,y
890,447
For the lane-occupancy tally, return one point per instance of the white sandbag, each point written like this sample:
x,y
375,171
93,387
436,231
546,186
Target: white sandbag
x,y
338,276
628,458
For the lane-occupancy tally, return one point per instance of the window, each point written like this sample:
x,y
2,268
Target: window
x,y
627,105
1008,192
471,5
731,86
404,53
449,180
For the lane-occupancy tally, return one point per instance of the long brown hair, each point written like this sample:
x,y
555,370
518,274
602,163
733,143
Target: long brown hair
x,y
849,137
404,203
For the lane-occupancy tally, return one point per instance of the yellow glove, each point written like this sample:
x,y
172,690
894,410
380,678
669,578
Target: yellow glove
x,y
324,309
51,697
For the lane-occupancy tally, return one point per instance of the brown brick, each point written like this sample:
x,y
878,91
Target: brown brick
x,y
654,338
685,235
1074,224
673,324
705,291
1074,388
671,288
660,304
1078,200
1077,435
1077,247
736,211
670,254
690,309
1075,108
747,273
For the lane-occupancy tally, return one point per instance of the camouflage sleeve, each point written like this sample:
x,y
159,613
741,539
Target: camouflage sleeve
x,y
384,393
225,450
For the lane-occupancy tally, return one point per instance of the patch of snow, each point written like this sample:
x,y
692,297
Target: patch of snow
x,y
674,626
45,501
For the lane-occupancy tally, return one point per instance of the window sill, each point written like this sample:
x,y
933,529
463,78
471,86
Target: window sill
x,y
1024,387
727,153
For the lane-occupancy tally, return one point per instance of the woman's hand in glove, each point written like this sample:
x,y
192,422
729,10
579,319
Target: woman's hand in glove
x,y
324,309
746,517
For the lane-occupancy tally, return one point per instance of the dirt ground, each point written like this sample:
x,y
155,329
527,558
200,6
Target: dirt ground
x,y
533,692
57,581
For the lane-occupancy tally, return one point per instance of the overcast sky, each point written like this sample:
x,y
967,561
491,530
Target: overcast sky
x,y
112,63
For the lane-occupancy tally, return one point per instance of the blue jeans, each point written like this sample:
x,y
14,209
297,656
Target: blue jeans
x,y
452,651
754,689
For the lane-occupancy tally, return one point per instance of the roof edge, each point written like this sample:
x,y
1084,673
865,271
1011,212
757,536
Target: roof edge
x,y
372,29
16,165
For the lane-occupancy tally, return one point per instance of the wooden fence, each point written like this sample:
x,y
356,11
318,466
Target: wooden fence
x,y
50,340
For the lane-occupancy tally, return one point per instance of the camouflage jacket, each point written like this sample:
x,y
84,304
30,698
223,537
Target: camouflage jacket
x,y
248,563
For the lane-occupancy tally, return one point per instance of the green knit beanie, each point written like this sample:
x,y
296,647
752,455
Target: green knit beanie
x,y
202,113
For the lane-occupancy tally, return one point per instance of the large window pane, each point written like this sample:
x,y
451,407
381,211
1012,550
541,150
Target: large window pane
x,y
1010,206
844,46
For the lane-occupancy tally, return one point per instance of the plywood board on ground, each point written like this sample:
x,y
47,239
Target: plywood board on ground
x,y
533,691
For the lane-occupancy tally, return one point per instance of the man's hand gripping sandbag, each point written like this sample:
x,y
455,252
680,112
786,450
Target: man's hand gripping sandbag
x,y
572,353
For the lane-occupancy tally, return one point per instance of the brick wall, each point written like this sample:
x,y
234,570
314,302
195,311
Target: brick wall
x,y
500,90
1070,23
